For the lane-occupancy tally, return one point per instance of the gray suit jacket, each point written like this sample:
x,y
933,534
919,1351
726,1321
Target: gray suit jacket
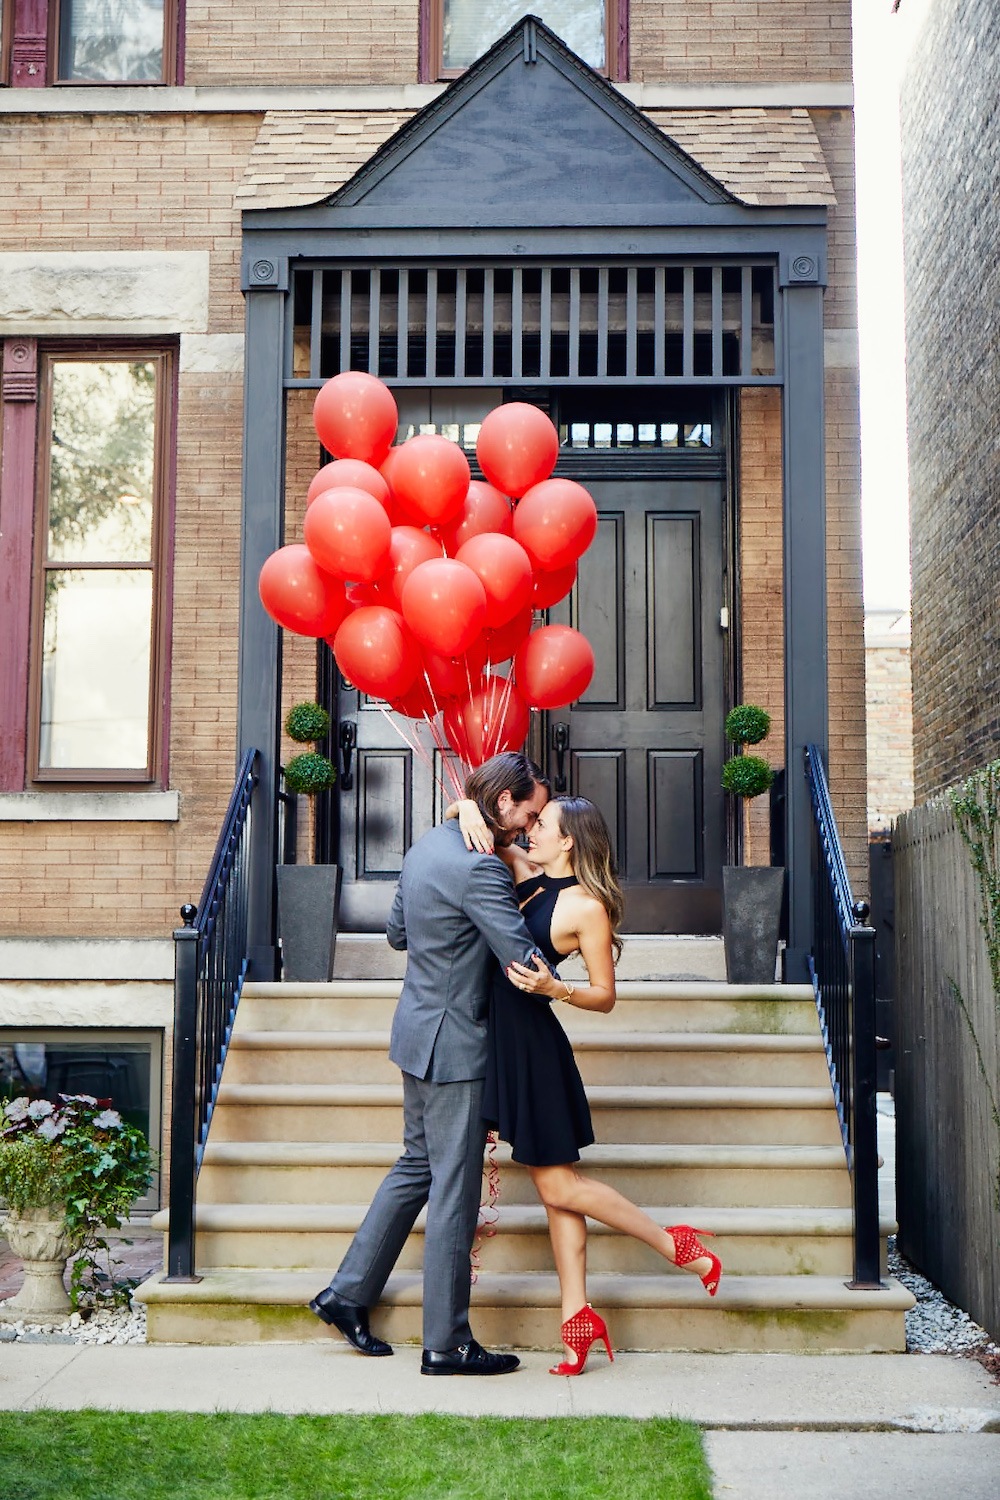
x,y
450,910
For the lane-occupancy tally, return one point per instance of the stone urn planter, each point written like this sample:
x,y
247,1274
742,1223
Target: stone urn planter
x,y
40,1237
751,918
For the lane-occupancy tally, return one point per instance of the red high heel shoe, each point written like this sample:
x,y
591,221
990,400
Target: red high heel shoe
x,y
688,1247
578,1333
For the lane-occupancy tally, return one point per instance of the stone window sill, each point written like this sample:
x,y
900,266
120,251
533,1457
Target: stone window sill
x,y
91,807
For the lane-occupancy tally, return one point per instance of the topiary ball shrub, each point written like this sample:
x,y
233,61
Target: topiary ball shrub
x,y
746,775
310,773
306,722
746,724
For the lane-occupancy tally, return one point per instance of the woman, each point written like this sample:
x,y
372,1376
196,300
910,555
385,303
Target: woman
x,y
571,900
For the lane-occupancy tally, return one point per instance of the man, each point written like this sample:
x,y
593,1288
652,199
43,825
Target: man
x,y
452,912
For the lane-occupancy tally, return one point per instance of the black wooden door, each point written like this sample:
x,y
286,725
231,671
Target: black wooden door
x,y
645,741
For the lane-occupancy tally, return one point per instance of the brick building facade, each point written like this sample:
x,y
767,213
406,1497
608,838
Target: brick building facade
x,y
950,185
120,234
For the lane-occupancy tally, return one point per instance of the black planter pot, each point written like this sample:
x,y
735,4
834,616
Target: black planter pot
x,y
308,914
751,921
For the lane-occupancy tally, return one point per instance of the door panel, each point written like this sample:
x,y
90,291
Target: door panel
x,y
646,739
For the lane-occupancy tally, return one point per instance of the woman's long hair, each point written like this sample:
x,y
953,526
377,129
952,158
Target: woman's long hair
x,y
593,861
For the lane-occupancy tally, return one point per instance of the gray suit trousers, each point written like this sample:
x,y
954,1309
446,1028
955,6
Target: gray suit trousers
x,y
442,1166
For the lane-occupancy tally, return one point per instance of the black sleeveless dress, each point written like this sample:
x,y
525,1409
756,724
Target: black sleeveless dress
x,y
534,1096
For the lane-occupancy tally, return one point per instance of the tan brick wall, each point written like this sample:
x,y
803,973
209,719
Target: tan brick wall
x,y
680,41
309,42
835,129
762,612
889,701
130,182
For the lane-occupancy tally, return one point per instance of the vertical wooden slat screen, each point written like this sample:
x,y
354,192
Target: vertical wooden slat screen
x,y
717,321
746,322
693,328
688,323
345,319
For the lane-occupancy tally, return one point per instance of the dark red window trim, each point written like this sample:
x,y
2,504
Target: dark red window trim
x,y
19,391
430,26
31,42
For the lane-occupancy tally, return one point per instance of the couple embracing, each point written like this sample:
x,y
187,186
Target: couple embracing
x,y
484,925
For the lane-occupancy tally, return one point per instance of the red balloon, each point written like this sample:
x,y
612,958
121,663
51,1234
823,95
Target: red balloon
x,y
485,509
429,477
555,522
376,652
360,594
554,666
355,416
494,719
408,548
504,570
501,644
297,593
417,703
352,473
348,533
444,605
552,585
517,447
455,676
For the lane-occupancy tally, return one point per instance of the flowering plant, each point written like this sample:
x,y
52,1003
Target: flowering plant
x,y
79,1157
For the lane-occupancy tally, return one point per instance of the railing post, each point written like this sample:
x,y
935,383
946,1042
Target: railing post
x,y
864,1124
180,1238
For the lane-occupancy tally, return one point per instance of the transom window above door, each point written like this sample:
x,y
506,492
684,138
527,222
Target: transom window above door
x,y
458,32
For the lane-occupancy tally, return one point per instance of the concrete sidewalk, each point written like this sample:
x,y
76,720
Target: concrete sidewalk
x,y
779,1426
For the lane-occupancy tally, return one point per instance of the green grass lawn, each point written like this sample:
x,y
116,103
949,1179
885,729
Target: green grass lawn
x,y
92,1455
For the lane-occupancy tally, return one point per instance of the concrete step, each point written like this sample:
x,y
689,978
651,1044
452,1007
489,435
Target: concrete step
x,y
350,1172
642,1114
367,955
670,1310
750,1241
632,1057
367,1005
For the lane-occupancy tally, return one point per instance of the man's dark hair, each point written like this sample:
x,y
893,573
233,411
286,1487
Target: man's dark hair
x,y
509,772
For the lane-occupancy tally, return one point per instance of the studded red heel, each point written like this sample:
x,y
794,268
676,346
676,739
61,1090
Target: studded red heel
x,y
578,1333
688,1247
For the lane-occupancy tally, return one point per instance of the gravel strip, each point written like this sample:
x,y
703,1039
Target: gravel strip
x,y
122,1325
937,1326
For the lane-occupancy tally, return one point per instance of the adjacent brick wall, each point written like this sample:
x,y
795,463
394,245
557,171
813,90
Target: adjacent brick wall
x,y
889,702
681,41
302,42
951,186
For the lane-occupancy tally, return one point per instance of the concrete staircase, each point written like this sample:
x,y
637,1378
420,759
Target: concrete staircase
x,y
712,1105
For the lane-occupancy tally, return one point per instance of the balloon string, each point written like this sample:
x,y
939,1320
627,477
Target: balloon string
x,y
486,1226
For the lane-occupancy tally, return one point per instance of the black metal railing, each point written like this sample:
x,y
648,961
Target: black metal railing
x,y
842,967
210,965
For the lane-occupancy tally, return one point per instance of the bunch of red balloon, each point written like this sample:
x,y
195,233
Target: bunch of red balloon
x,y
424,580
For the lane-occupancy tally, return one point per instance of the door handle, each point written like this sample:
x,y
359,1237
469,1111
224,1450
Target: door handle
x,y
348,740
560,744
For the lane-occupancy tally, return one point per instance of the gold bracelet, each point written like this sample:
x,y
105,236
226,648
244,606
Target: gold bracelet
x,y
570,991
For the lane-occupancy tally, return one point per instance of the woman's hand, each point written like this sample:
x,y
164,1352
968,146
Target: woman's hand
x,y
538,980
475,829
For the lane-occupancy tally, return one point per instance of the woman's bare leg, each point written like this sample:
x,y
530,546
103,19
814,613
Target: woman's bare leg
x,y
568,1233
566,1189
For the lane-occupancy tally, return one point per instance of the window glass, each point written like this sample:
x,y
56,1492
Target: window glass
x,y
470,28
111,41
95,655
43,1065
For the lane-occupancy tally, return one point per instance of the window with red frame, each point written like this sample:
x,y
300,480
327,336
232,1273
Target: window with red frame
x,y
457,32
91,42
98,629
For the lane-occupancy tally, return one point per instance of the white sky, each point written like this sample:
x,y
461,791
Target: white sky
x,y
881,43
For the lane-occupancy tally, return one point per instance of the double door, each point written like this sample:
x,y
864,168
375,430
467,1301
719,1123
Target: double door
x,y
645,742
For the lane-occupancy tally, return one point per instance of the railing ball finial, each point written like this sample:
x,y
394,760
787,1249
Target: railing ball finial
x,y
861,911
188,914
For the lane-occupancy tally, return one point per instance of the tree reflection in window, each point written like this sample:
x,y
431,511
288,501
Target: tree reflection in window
x,y
111,41
470,28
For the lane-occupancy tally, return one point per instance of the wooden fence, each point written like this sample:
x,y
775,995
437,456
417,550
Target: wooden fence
x,y
948,1144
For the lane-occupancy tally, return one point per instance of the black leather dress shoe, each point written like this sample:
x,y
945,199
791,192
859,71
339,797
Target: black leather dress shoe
x,y
352,1322
467,1359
